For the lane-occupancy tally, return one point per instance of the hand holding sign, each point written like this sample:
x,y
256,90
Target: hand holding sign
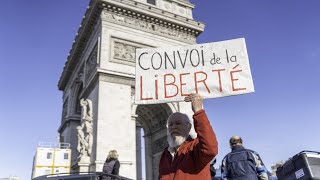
x,y
196,101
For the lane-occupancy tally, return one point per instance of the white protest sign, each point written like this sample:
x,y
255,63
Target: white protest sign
x,y
213,70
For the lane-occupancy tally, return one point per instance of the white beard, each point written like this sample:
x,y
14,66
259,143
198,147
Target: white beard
x,y
175,141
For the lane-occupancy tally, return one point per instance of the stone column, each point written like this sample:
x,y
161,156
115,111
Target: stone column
x,y
148,147
115,127
138,147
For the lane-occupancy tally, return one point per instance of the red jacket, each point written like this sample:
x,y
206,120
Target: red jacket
x,y
193,157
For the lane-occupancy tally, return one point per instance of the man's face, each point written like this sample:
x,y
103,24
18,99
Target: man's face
x,y
177,126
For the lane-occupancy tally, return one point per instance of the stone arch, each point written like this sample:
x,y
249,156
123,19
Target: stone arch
x,y
152,119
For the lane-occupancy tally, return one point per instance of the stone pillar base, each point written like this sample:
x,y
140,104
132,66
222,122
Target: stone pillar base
x,y
81,167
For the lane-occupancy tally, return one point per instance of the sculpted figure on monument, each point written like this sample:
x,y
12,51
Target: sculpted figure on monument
x,y
79,78
85,131
86,112
82,144
89,136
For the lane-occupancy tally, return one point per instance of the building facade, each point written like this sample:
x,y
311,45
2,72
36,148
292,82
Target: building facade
x,y
98,83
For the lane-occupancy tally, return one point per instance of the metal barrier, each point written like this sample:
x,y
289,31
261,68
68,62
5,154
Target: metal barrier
x,y
79,176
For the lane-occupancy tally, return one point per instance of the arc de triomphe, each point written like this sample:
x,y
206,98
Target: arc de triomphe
x,y
99,78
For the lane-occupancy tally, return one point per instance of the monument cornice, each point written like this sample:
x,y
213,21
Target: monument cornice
x,y
153,14
107,76
149,24
116,77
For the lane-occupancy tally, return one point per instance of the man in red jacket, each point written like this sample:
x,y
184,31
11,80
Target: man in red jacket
x,y
187,158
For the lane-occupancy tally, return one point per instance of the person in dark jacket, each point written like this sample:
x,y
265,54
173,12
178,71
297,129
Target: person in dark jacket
x,y
242,164
212,169
111,166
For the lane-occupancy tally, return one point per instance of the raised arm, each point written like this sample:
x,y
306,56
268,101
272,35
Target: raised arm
x,y
207,147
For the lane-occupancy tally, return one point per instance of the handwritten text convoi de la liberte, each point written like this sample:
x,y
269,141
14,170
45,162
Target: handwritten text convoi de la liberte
x,y
175,72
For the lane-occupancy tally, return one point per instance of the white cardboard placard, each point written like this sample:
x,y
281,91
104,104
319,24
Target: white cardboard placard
x,y
213,70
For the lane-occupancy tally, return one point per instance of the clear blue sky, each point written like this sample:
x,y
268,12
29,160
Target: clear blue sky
x,y
283,40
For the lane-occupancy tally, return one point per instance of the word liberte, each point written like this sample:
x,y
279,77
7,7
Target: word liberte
x,y
212,69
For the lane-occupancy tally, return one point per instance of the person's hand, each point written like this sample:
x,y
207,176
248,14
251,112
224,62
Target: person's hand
x,y
196,101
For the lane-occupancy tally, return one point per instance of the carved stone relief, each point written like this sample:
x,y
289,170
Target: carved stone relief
x,y
91,62
166,5
79,79
123,51
182,10
154,27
